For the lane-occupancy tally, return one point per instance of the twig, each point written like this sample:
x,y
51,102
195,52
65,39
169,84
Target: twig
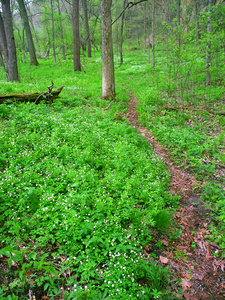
x,y
207,160
128,6
109,104
46,93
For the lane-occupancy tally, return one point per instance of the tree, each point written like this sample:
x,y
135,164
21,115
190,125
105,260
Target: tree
x,y
108,78
11,62
61,31
30,42
53,33
3,42
153,34
121,32
76,36
88,40
197,37
208,45
1,59
178,21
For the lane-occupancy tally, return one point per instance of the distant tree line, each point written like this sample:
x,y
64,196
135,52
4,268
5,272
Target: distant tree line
x,y
68,28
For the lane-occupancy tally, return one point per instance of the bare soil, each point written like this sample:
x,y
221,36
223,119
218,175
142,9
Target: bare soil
x,y
190,255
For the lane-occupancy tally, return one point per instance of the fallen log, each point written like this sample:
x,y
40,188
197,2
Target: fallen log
x,y
32,97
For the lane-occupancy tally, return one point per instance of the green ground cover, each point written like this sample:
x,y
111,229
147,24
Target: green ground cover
x,y
80,193
81,190
187,118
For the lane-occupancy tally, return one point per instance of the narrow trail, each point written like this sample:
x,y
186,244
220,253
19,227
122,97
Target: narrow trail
x,y
191,256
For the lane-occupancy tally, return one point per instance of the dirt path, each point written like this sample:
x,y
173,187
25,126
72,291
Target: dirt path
x,y
190,254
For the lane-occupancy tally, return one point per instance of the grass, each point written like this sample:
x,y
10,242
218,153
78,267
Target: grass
x,y
80,193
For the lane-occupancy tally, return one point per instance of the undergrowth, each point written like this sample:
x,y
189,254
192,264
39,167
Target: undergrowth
x,y
188,119
80,195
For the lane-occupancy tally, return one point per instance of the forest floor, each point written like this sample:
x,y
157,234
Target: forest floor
x,y
190,255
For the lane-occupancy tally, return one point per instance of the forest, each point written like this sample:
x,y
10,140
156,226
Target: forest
x,y
112,149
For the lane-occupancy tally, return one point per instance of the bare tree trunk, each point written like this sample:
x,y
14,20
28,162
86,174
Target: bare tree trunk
x,y
153,34
108,79
8,26
88,40
197,35
178,21
2,64
61,31
33,29
121,33
208,57
3,42
149,40
145,28
3,48
30,42
117,38
53,33
76,36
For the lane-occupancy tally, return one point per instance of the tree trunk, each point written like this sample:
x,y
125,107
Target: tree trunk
x,y
53,33
178,21
33,29
145,28
116,35
2,64
149,40
153,34
208,56
197,35
12,58
33,97
30,42
3,48
88,40
61,31
108,79
3,42
76,36
121,33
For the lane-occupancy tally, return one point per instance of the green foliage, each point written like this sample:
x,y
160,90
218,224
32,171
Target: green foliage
x,y
185,118
80,188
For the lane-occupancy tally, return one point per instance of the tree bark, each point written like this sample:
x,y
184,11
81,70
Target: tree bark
x,y
61,31
153,34
76,36
145,28
197,35
33,29
30,42
178,21
10,40
116,34
208,45
3,42
53,33
32,97
88,40
121,32
108,78
2,64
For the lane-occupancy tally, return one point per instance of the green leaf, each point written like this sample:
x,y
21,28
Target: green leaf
x,y
33,255
10,262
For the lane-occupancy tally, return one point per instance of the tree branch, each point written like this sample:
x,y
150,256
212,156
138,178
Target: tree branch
x,y
128,6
